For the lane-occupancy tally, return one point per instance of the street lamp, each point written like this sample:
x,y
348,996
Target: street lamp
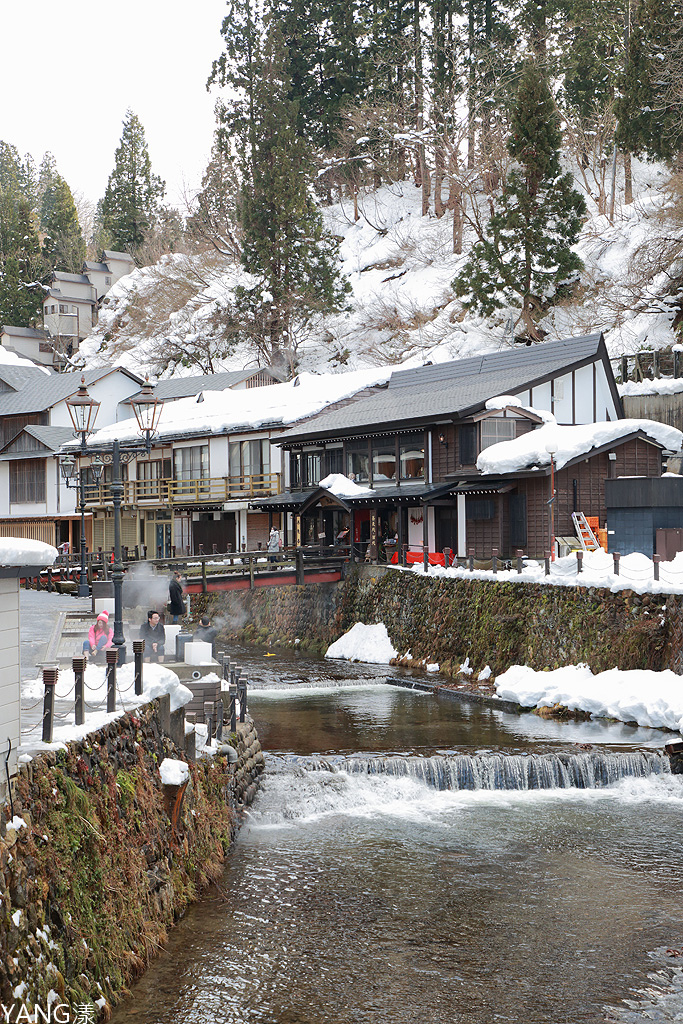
x,y
83,412
551,448
147,408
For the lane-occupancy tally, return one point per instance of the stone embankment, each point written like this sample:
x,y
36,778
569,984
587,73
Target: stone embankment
x,y
446,621
105,857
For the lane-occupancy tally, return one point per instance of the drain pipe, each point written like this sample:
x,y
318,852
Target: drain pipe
x,y
9,785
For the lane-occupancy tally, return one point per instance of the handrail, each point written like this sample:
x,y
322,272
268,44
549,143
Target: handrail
x,y
178,492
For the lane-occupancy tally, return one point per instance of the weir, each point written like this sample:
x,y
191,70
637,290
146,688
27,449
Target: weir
x,y
585,770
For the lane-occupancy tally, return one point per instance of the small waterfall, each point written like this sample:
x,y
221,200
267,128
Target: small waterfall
x,y
585,770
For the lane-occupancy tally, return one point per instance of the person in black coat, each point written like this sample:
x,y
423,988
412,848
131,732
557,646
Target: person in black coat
x,y
154,635
176,606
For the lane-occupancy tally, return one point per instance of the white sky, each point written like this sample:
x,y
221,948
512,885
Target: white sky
x,y
71,70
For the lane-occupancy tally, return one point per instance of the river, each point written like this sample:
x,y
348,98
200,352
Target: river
x,y
360,890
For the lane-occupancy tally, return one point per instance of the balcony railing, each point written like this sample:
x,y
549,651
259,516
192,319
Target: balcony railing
x,y
210,490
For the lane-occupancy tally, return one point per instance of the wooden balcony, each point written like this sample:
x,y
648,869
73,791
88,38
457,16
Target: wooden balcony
x,y
176,493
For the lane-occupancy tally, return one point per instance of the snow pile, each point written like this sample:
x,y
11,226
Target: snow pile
x,y
653,699
173,772
276,405
18,551
9,358
364,643
337,483
504,402
636,572
658,386
530,451
157,680
16,823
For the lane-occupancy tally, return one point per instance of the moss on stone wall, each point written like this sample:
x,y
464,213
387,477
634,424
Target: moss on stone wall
x,y
105,864
445,620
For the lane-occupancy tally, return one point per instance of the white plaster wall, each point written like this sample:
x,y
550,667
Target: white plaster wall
x,y
540,397
10,706
218,456
414,529
562,407
584,394
605,408
4,489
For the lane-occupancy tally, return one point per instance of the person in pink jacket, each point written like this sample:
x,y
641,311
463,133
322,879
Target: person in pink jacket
x,y
100,636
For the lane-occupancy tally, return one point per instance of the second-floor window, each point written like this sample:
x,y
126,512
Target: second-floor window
x,y
149,473
27,480
357,461
191,463
412,455
250,458
497,429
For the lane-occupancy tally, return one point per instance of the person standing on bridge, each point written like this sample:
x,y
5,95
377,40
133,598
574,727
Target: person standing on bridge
x,y
273,545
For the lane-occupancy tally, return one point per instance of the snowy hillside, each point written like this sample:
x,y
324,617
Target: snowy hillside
x,y
402,308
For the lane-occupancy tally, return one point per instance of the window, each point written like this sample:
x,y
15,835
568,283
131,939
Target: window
x,y
191,463
107,280
480,508
27,480
467,444
333,461
312,462
497,429
295,480
412,456
357,462
249,459
383,461
63,308
149,474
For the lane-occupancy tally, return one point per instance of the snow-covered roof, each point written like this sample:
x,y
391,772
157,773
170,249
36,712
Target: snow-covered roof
x,y
530,451
252,409
342,487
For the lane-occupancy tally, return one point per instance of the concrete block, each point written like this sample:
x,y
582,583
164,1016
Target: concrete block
x,y
198,653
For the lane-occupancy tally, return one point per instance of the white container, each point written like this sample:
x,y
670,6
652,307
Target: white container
x,y
197,652
171,632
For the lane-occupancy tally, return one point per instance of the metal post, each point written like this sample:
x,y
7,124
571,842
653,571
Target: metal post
x,y
547,563
299,567
251,572
656,559
494,559
117,568
520,554
579,561
219,711
209,725
425,557
49,579
242,689
446,557
138,651
232,691
616,555
49,682
404,559
471,559
78,666
677,363
204,586
83,588
112,658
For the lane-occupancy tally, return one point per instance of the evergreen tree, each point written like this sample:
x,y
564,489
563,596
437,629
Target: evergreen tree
x,y
21,267
649,122
525,255
131,200
63,245
284,246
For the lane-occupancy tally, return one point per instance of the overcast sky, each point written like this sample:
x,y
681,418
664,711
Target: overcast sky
x,y
71,70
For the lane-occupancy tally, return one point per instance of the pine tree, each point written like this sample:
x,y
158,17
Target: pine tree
x,y
21,266
284,247
133,192
525,255
63,245
649,123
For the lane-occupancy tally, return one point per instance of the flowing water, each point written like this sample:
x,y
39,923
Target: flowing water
x,y
414,860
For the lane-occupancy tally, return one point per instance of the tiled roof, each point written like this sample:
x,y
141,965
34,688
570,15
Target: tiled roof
x,y
39,391
23,332
452,389
186,387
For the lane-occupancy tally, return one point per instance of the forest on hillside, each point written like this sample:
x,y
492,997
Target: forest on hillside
x,y
514,123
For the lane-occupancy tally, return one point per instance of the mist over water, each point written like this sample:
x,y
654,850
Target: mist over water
x,y
361,892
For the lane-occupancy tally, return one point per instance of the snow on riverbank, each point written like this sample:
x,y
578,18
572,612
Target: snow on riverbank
x,y
157,680
364,643
652,699
636,572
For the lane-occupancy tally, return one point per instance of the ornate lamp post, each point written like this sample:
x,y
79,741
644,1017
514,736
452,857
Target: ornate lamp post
x,y
551,448
147,408
83,412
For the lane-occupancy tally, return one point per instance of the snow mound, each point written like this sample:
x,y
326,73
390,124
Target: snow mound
x,y
364,643
173,772
18,551
652,699
337,483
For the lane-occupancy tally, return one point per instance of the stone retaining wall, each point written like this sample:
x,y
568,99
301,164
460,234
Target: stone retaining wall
x,y
445,620
110,858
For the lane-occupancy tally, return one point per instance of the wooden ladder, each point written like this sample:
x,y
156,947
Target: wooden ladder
x,y
588,539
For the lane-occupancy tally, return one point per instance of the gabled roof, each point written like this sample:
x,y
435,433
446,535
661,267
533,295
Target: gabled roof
x,y
453,390
23,332
56,293
92,266
109,254
60,275
52,439
40,391
186,387
17,377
